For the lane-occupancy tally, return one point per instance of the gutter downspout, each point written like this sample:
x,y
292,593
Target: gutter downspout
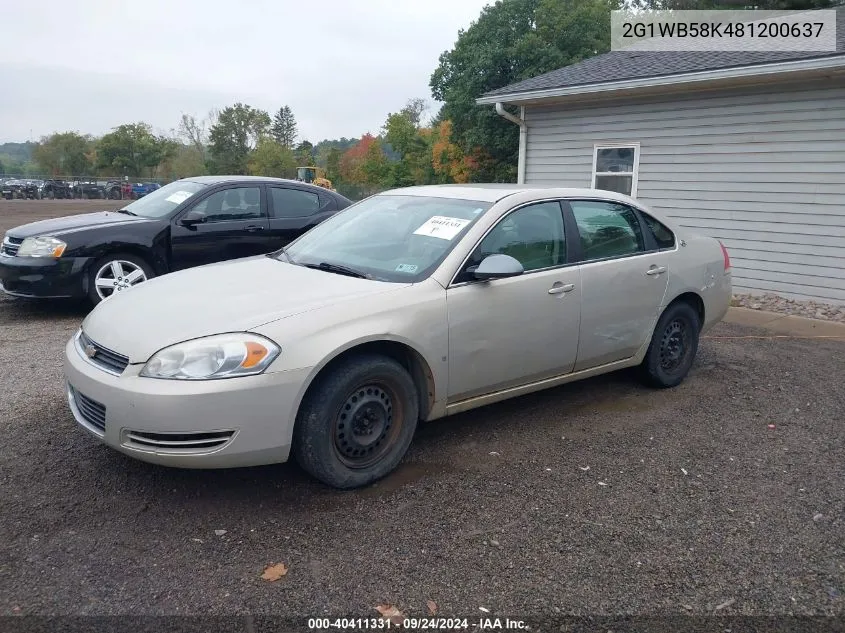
x,y
523,135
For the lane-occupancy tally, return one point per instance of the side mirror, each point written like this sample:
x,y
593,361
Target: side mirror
x,y
498,267
192,218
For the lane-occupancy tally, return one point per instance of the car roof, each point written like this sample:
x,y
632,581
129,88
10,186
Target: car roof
x,y
493,192
213,180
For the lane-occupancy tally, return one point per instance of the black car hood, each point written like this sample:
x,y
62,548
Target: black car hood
x,y
70,223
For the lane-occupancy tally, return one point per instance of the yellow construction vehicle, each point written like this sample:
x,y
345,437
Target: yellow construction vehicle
x,y
314,175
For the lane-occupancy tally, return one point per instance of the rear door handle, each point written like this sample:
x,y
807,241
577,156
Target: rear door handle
x,y
560,288
252,228
656,270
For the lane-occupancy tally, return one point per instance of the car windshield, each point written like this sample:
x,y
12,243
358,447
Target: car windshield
x,y
161,202
395,238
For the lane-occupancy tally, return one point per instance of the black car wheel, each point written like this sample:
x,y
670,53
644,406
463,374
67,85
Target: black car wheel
x,y
356,423
673,346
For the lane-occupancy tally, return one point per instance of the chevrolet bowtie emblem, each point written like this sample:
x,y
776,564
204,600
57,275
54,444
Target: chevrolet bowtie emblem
x,y
90,351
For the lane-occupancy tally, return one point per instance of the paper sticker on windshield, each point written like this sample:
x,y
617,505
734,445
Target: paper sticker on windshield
x,y
178,197
406,268
442,227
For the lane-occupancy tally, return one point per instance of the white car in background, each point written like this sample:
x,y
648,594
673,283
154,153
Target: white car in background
x,y
408,306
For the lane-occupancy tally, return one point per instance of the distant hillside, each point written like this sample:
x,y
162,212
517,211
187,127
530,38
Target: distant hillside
x,y
17,152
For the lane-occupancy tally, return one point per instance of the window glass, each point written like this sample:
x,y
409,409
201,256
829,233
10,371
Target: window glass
x,y
294,203
607,229
389,237
662,235
533,235
614,169
238,203
614,159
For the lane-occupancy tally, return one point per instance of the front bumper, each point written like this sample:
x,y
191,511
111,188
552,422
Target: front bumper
x,y
170,422
44,277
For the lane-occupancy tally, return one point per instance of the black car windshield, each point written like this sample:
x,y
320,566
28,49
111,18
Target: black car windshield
x,y
395,238
161,202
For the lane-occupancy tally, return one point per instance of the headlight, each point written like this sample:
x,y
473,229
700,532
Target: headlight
x,y
218,356
41,247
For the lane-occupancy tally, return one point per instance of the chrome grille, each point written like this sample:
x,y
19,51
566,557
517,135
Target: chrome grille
x,y
199,442
11,246
102,356
91,411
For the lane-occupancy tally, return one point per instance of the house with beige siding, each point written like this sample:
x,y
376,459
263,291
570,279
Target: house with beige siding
x,y
748,147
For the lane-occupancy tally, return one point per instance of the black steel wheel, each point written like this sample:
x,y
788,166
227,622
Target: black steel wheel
x,y
673,346
356,421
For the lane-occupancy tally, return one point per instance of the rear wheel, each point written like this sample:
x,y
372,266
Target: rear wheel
x,y
116,273
356,423
673,346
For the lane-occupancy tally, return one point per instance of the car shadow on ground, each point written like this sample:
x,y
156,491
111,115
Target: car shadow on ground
x,y
22,309
440,449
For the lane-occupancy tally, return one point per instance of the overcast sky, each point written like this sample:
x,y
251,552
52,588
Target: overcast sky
x,y
342,65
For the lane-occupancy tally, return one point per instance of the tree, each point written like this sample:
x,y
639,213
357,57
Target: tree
x,y
333,164
284,127
234,135
512,40
305,154
63,153
271,158
131,147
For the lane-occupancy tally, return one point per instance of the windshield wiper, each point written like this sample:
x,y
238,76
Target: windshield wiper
x,y
336,268
127,212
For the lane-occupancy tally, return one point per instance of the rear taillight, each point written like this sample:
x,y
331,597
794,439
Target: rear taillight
x,y
726,257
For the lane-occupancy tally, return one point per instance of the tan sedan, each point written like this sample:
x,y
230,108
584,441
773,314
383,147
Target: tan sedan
x,y
411,305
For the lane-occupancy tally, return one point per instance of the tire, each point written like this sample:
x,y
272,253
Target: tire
x,y
128,263
51,195
380,398
673,346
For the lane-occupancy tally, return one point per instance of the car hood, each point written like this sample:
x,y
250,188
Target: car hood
x,y
69,223
231,296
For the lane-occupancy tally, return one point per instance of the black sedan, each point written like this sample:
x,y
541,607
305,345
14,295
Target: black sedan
x,y
186,223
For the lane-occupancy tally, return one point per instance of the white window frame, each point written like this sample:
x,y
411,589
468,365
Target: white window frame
x,y
635,174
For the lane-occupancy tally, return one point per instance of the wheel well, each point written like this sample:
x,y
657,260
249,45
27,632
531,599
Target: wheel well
x,y
136,251
403,354
693,300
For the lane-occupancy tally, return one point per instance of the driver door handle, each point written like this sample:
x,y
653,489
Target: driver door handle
x,y
559,288
252,228
656,270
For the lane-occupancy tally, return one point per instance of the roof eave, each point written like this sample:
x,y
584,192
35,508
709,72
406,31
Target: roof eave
x,y
740,72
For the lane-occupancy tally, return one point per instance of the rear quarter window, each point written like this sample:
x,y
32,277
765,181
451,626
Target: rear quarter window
x,y
662,235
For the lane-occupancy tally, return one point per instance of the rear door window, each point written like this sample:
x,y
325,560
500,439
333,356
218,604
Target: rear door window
x,y
607,229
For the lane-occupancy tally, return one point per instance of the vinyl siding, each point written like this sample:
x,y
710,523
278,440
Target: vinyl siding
x,y
763,170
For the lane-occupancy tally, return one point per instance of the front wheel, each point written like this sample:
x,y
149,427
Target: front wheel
x,y
673,346
356,423
116,273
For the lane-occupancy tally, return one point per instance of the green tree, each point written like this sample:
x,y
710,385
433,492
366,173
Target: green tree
x,y
284,127
271,158
305,154
512,40
132,147
333,164
234,135
63,153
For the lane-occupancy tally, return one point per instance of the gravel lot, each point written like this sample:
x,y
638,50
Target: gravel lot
x,y
600,497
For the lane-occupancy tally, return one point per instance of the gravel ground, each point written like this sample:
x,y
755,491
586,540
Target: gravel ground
x,y
601,497
776,303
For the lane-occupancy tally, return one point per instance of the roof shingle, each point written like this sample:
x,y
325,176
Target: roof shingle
x,y
626,64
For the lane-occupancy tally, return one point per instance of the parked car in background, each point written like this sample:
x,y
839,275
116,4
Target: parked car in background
x,y
410,305
186,223
56,189
90,189
11,189
114,190
33,189
141,189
